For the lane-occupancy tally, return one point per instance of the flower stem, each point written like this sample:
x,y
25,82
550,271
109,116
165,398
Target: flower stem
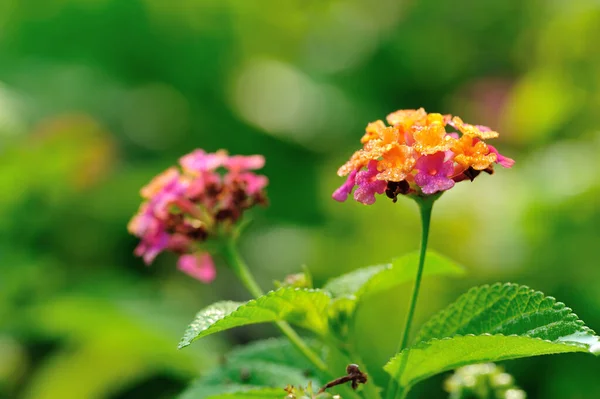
x,y
425,207
243,273
370,390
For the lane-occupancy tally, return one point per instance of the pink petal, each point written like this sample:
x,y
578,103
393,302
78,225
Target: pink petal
x,y
366,193
434,173
428,163
201,161
342,193
254,183
432,184
151,245
242,162
199,266
501,159
368,185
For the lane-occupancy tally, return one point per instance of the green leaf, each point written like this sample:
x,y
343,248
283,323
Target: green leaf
x,y
199,390
373,279
257,373
304,307
264,393
274,350
350,283
404,269
435,356
492,323
268,363
507,309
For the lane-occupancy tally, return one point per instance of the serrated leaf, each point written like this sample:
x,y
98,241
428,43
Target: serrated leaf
x,y
438,355
264,393
507,309
303,307
373,279
502,322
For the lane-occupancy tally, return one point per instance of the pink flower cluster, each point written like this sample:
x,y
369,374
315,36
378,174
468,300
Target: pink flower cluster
x,y
415,155
201,200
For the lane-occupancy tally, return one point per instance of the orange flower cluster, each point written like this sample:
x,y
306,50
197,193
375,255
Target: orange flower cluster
x,y
415,154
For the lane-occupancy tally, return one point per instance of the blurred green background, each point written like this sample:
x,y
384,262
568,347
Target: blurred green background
x,y
98,96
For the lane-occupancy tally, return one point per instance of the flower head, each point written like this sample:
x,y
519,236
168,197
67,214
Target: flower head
x,y
416,155
185,207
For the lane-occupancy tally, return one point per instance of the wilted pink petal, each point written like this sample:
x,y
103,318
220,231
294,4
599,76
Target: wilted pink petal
x,y
434,173
151,245
342,193
198,185
179,242
501,159
200,161
253,183
141,220
162,201
368,184
237,163
199,266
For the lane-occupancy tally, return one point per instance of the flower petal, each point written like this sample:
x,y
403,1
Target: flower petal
x,y
342,193
199,266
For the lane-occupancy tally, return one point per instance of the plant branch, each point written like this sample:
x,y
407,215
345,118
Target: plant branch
x,y
243,273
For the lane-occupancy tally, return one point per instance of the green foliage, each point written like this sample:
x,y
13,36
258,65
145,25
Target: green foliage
x,y
351,289
203,391
303,307
273,350
271,363
264,393
257,373
492,323
504,309
373,279
164,80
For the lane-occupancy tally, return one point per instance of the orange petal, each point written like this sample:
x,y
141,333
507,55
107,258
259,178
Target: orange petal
x,y
407,117
472,130
432,138
471,153
373,131
398,161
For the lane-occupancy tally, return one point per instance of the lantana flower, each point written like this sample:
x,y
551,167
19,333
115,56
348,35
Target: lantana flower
x,y
418,154
203,199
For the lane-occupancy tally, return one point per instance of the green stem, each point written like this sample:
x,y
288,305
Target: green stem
x,y
243,273
370,390
425,207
